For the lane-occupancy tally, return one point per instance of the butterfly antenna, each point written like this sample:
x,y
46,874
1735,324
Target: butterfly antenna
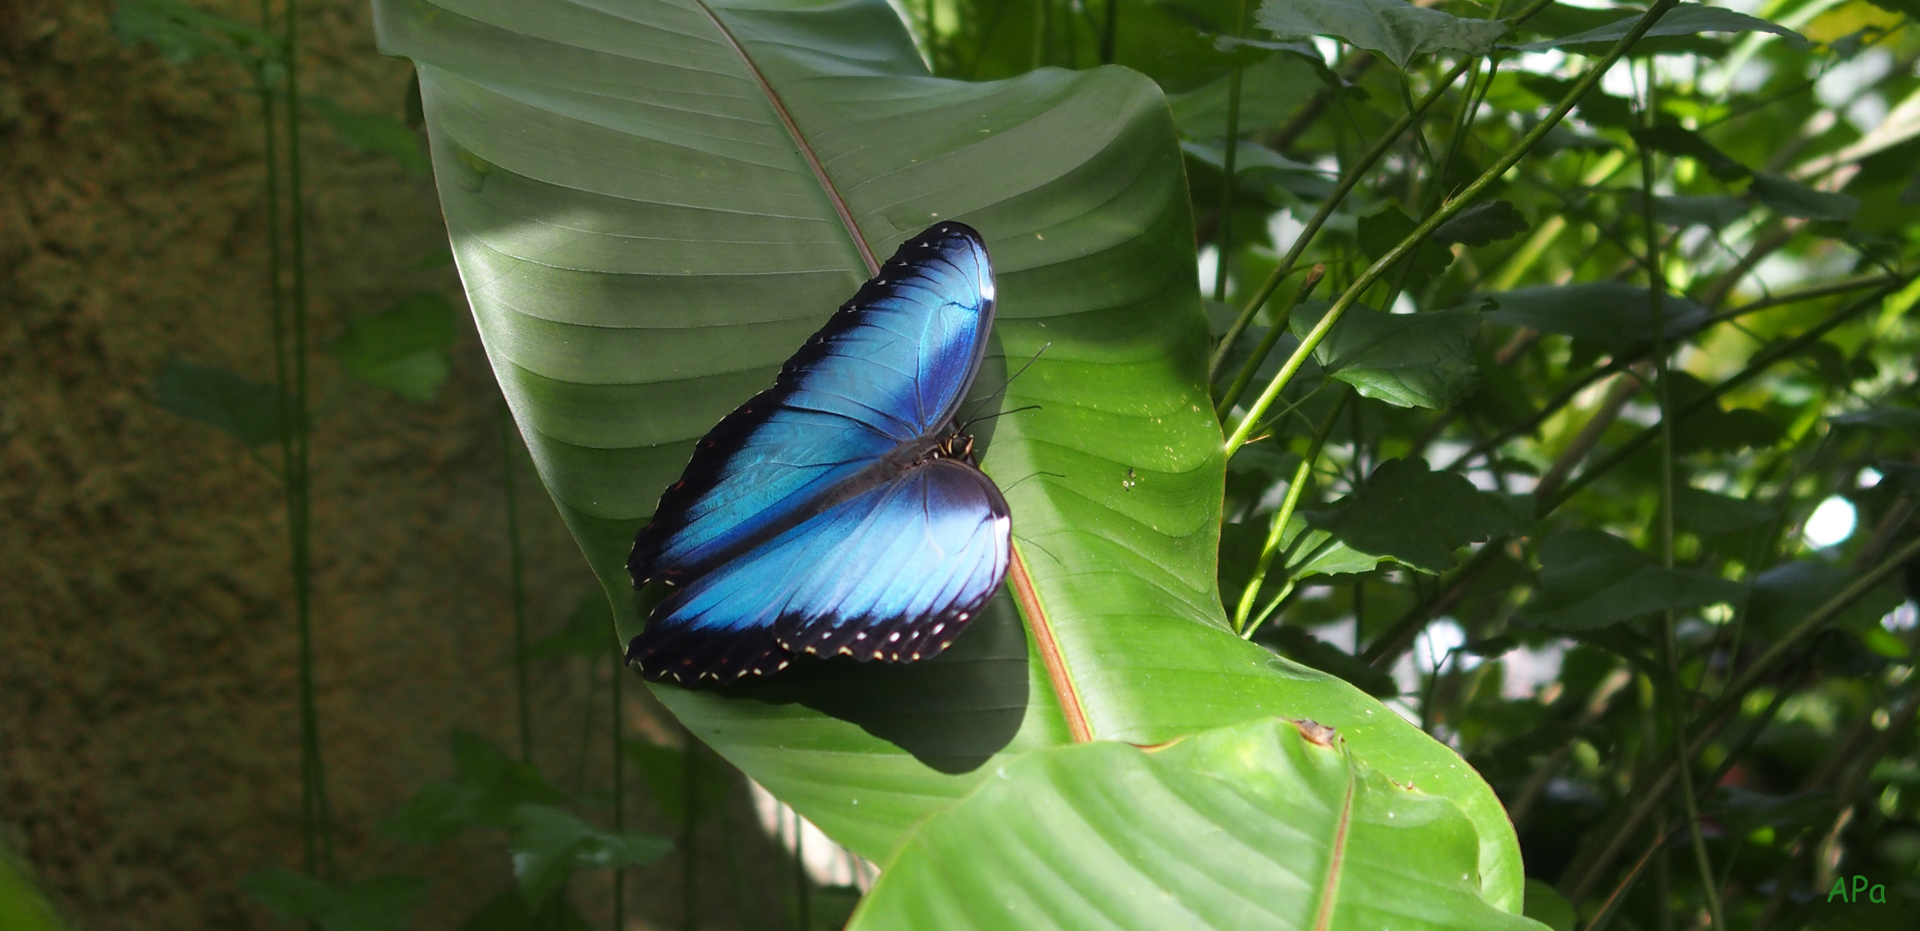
x,y
1030,475
968,424
1003,385
1030,542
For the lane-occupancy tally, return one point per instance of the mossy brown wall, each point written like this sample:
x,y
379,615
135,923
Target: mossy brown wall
x,y
148,752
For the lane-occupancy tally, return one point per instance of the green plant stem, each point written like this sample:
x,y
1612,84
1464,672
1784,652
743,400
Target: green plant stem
x,y
316,820
1759,363
1445,212
1223,236
1260,352
1669,643
1109,31
1302,475
689,872
516,555
1348,180
619,792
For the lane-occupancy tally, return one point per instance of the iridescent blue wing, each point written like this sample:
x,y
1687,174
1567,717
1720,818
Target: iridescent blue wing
x,y
888,370
892,573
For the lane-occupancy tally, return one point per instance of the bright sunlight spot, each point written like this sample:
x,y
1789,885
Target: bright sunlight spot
x,y
1868,478
1832,522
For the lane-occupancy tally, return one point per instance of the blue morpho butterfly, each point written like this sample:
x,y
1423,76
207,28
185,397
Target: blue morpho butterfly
x,y
838,512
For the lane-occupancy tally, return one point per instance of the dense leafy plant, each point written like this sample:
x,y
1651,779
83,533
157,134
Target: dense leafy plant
x,y
1549,373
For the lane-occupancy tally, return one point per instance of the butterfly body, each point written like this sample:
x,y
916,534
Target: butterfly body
x,y
839,512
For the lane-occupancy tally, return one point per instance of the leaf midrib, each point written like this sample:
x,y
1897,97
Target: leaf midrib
x,y
1019,581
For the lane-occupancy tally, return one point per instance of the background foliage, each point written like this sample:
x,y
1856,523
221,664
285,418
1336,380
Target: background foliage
x,y
1563,521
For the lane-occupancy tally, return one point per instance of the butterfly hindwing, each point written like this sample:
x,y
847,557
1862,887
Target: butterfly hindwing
x,y
893,573
890,367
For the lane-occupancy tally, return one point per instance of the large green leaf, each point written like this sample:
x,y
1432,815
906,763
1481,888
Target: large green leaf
x,y
1267,825
654,203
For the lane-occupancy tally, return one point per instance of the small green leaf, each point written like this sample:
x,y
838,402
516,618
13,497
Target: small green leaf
x,y
1303,647
403,348
1706,512
1382,231
1416,515
1714,212
508,912
22,906
1900,418
1720,431
384,903
1482,224
1683,20
1786,593
486,787
374,133
1546,905
1591,579
1612,315
588,631
243,408
1676,140
181,32
1396,29
1790,198
1407,360
550,845
1267,824
664,770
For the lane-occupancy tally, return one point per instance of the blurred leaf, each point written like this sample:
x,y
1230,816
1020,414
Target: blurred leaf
x,y
664,770
1482,224
1382,231
1675,140
1683,20
181,32
550,845
829,908
486,787
374,133
242,408
1713,212
1300,51
588,631
1744,812
1904,476
1596,107
1714,430
403,348
1415,515
1303,647
1270,92
1249,157
1900,418
1590,579
1788,197
384,903
1546,905
1310,551
1612,315
1407,360
1705,512
1396,29
1250,826
508,912
22,906
1787,593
